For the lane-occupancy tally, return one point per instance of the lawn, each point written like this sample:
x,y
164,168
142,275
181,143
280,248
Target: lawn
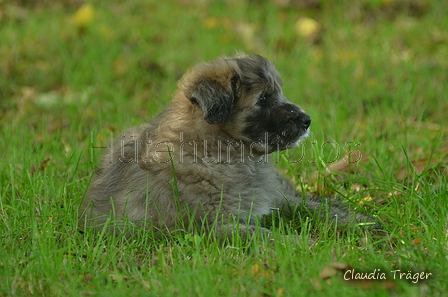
x,y
372,74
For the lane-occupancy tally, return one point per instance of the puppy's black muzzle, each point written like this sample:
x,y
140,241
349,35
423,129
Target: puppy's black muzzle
x,y
294,114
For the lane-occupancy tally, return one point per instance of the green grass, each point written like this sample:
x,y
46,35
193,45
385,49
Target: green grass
x,y
375,76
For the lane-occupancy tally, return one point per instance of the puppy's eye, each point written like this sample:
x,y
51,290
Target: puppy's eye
x,y
263,100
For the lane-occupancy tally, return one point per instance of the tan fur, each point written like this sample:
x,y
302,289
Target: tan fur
x,y
203,160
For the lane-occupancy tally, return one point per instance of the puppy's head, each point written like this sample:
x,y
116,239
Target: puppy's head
x,y
244,96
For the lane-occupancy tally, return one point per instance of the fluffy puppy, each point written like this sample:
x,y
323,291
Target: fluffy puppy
x,y
203,161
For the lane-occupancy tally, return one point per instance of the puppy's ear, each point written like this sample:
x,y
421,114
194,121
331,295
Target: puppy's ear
x,y
215,96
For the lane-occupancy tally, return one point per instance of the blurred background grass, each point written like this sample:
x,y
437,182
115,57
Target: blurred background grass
x,y
372,72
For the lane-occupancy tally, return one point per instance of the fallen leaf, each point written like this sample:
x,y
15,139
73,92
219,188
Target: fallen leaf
x,y
358,188
349,166
70,254
341,166
419,166
365,199
317,284
211,23
84,16
280,292
416,241
88,278
307,27
257,270
41,167
332,269
415,229
338,271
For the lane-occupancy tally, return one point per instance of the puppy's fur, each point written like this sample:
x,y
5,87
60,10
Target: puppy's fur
x,y
203,161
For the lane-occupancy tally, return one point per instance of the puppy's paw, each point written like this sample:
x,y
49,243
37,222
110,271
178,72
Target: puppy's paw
x,y
347,218
294,242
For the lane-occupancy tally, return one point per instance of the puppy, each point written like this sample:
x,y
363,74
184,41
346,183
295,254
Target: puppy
x,y
204,160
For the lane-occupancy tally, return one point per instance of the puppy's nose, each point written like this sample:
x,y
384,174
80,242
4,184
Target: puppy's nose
x,y
297,115
305,120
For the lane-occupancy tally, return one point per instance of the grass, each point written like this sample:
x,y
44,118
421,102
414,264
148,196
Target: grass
x,y
373,80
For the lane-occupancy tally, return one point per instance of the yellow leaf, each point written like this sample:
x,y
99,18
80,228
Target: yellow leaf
x,y
255,269
307,27
211,22
365,199
84,16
